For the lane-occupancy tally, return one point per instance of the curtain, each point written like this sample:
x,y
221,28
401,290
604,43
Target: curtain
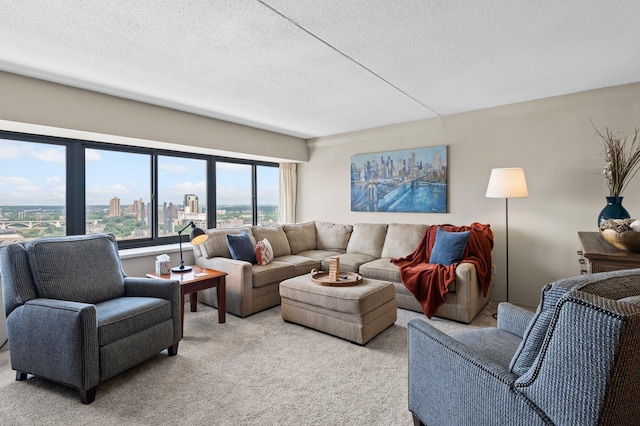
x,y
288,188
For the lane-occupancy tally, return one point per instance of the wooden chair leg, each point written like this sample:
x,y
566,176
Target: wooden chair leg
x,y
20,376
89,395
416,421
173,350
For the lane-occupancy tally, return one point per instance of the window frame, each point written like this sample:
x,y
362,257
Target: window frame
x,y
75,209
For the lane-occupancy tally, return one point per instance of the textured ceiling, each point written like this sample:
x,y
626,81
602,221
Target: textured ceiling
x,y
312,68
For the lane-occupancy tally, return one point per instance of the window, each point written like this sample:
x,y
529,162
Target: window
x,y
182,194
53,186
268,194
118,193
233,195
32,190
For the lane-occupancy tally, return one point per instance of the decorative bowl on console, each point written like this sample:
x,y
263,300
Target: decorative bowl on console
x,y
622,233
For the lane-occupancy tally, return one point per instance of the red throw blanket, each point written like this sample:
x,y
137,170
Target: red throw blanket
x,y
429,283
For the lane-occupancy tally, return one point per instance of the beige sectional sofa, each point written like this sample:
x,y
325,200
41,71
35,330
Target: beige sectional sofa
x,y
365,248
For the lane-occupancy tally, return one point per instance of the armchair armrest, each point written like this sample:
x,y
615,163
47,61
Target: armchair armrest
x,y
160,288
57,340
451,383
514,319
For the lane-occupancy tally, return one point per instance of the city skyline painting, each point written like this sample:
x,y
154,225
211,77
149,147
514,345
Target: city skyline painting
x,y
409,180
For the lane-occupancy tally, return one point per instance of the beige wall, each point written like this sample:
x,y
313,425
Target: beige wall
x,y
36,106
552,139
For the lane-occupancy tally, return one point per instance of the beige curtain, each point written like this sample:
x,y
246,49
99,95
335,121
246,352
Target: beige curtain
x,y
288,188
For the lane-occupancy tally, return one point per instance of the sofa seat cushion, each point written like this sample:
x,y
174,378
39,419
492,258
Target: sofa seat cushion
x,y
349,262
301,265
274,271
381,269
301,236
319,254
125,316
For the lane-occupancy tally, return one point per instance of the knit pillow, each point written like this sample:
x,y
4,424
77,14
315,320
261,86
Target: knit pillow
x,y
448,247
264,252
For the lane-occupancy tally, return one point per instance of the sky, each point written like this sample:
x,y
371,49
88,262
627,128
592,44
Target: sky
x,y
34,174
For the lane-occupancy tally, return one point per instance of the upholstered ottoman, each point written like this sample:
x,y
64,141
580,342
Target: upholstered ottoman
x,y
357,313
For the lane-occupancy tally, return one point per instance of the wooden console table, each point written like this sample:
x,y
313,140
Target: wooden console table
x,y
597,255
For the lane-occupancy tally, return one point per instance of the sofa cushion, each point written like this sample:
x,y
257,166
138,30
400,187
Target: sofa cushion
x,y
319,254
367,238
349,262
381,269
97,274
241,247
124,316
332,236
276,236
301,236
301,265
448,247
264,252
402,239
275,271
216,244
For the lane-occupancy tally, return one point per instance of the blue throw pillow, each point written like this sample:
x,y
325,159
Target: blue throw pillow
x,y
241,247
449,247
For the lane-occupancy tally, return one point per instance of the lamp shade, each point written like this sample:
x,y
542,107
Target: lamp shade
x,y
197,236
507,183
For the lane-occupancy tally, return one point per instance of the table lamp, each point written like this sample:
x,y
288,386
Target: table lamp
x,y
507,183
196,236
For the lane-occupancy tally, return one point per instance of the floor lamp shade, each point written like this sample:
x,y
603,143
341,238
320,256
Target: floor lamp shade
x,y
507,183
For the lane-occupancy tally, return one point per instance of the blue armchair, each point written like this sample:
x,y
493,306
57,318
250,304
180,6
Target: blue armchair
x,y
575,361
73,316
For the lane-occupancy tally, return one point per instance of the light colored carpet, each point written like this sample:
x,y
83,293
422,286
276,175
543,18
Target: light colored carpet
x,y
258,370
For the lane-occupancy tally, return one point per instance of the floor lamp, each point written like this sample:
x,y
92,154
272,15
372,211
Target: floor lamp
x,y
507,183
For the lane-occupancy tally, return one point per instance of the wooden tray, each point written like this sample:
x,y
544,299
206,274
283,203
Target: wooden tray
x,y
346,278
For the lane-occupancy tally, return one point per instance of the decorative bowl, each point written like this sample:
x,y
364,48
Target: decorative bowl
x,y
627,240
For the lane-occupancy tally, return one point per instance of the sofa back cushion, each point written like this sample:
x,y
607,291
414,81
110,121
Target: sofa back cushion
x,y
332,236
301,236
79,268
402,239
618,283
276,236
367,238
216,244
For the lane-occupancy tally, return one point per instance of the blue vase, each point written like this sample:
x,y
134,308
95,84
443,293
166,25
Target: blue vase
x,y
613,210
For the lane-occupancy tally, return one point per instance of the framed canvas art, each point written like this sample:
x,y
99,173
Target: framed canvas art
x,y
409,180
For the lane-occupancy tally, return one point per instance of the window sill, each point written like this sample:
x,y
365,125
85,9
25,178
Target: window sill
x,y
153,251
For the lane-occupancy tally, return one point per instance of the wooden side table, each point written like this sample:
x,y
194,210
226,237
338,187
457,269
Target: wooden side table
x,y
195,280
600,256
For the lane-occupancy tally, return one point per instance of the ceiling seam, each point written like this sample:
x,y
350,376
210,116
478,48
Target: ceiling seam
x,y
370,71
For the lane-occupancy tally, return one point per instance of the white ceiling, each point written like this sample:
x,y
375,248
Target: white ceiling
x,y
312,68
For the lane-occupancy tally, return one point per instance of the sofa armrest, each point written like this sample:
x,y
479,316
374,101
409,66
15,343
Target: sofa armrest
x,y
239,284
160,288
57,340
470,299
514,319
451,383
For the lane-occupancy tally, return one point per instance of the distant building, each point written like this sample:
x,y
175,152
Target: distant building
x,y
114,207
191,203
